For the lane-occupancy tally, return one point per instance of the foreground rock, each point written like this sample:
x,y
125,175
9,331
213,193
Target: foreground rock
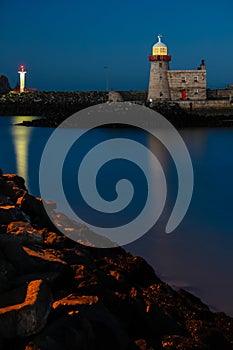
x,y
56,294
28,316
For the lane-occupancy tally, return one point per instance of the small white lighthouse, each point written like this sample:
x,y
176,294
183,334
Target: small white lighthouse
x,y
22,71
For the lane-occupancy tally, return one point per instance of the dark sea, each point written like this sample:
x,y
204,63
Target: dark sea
x,y
198,255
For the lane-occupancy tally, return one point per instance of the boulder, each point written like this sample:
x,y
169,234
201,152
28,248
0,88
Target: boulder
x,y
55,240
7,274
109,332
4,200
48,277
33,259
82,323
69,332
9,213
11,189
24,311
34,207
15,180
79,232
47,259
142,345
74,302
23,233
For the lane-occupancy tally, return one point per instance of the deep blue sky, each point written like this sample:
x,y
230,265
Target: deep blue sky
x,y
65,44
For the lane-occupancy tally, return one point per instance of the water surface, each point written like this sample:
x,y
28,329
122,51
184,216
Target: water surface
x,y
198,255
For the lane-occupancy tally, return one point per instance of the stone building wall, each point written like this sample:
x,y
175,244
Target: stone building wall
x,y
193,81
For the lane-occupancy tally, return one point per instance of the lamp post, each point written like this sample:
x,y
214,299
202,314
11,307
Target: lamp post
x,y
106,68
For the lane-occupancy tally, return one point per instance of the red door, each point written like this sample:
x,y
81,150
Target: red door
x,y
183,94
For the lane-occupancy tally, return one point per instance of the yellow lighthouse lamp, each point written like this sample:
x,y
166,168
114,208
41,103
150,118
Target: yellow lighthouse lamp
x,y
159,49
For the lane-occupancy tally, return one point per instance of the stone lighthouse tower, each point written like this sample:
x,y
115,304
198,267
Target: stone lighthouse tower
x,y
158,84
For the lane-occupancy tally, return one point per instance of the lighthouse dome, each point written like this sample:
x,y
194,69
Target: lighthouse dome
x,y
159,48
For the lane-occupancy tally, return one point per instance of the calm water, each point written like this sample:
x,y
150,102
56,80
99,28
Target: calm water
x,y
198,255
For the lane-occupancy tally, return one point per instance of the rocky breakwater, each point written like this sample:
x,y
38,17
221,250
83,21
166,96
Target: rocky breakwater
x,y
54,106
57,294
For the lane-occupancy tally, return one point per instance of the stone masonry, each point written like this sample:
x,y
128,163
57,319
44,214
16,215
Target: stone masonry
x,y
192,81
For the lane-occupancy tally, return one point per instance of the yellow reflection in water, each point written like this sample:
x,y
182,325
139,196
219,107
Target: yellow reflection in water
x,y
21,136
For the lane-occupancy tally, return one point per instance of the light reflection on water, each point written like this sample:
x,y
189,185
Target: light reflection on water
x,y
21,137
21,148
198,255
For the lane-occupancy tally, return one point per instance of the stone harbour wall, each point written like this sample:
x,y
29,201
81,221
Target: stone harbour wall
x,y
208,104
219,94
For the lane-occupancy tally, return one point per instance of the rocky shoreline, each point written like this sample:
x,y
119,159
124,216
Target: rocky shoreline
x,y
57,294
54,107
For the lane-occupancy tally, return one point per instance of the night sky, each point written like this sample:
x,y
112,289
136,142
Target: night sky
x,y
65,45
